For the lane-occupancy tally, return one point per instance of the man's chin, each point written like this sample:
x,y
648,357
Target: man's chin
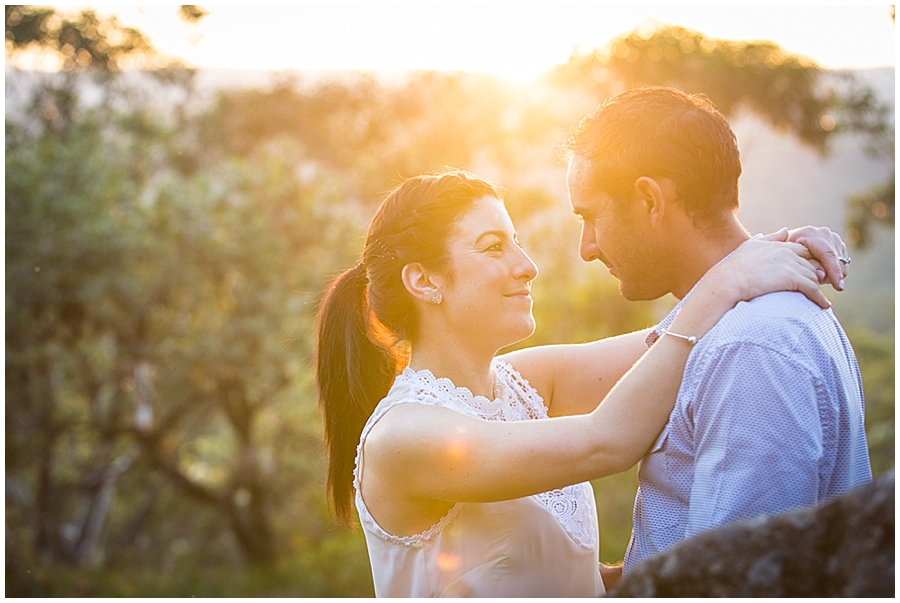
x,y
638,293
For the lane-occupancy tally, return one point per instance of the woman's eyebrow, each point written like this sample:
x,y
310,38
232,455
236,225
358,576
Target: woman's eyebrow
x,y
497,233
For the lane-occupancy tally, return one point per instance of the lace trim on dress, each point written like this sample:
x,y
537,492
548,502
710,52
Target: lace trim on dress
x,y
569,505
514,400
571,508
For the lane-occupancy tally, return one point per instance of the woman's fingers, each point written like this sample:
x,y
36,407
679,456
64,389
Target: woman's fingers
x,y
779,235
820,271
808,282
828,248
793,263
777,266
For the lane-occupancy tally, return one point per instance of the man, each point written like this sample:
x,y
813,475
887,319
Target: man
x,y
769,416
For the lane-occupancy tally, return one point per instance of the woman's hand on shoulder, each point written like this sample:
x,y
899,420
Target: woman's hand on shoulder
x,y
828,252
761,266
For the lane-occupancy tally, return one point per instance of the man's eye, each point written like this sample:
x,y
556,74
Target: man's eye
x,y
495,247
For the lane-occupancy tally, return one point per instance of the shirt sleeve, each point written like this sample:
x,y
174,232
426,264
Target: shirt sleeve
x,y
758,437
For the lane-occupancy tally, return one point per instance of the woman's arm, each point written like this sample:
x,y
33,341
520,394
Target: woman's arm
x,y
573,379
430,453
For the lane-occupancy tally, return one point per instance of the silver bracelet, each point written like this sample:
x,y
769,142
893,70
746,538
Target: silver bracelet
x,y
688,338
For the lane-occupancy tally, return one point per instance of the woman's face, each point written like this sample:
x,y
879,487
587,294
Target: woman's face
x,y
487,291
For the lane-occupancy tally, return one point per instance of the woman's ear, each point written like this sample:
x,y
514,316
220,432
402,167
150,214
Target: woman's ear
x,y
420,283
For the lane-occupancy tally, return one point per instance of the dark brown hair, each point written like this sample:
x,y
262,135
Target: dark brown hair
x,y
662,132
367,313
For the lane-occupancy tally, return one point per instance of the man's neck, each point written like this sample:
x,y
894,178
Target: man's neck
x,y
703,248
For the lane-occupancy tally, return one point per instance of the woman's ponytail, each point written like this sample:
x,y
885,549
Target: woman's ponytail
x,y
353,373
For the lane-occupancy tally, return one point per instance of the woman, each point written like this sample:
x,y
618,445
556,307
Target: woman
x,y
464,484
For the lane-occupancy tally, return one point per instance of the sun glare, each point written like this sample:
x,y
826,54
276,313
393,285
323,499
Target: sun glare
x,y
519,43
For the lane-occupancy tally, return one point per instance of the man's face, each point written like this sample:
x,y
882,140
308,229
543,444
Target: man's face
x,y
617,234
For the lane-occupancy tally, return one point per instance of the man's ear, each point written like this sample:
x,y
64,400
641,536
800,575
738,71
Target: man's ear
x,y
420,283
654,197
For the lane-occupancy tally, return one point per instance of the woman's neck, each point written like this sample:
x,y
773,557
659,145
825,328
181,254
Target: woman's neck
x,y
463,366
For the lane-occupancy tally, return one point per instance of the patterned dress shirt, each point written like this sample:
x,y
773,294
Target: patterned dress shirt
x,y
769,418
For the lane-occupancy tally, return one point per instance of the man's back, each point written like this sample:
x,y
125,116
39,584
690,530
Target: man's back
x,y
769,418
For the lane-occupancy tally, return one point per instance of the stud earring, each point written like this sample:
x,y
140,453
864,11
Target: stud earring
x,y
437,298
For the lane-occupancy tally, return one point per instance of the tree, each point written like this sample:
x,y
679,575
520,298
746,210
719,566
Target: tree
x,y
191,13
868,208
375,133
83,41
149,306
148,314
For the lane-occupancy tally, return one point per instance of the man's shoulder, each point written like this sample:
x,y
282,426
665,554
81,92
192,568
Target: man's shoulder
x,y
783,327
775,320
779,305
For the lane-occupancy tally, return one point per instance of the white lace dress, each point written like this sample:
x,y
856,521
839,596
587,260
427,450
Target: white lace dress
x,y
544,545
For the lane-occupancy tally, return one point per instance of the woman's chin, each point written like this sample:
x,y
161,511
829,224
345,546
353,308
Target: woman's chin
x,y
525,331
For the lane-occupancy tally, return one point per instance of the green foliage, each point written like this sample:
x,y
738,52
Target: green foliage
x,y
338,569
374,133
191,13
875,354
615,502
865,210
83,41
158,335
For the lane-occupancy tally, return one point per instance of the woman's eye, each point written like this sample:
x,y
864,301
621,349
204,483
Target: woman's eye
x,y
495,247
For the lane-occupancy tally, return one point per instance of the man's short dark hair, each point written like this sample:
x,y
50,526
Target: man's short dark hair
x,y
662,132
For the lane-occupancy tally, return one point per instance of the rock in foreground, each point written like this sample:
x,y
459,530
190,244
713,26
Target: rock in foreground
x,y
842,548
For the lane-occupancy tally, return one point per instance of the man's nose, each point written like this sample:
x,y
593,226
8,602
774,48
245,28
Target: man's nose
x,y
589,250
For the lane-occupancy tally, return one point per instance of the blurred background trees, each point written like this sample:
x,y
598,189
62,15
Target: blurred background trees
x,y
165,252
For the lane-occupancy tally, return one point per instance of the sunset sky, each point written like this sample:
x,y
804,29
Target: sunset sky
x,y
519,42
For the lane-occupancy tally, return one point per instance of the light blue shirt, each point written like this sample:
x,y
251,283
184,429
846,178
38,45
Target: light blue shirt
x,y
769,418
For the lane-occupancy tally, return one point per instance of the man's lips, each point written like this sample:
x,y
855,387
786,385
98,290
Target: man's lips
x,y
609,266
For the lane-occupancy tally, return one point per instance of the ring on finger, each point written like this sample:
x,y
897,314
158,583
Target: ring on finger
x,y
844,260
